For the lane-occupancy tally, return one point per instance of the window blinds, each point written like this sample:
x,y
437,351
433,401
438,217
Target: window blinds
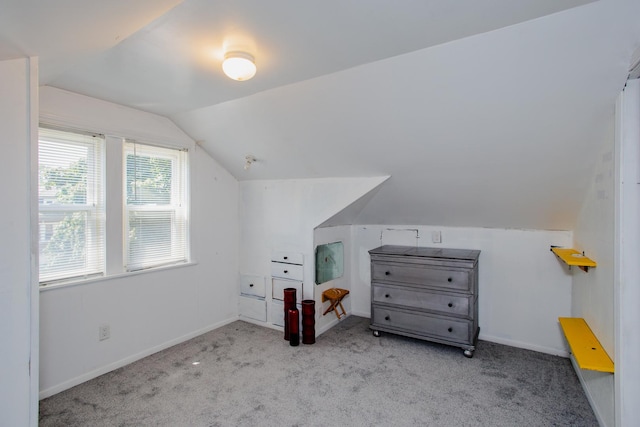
x,y
155,206
71,214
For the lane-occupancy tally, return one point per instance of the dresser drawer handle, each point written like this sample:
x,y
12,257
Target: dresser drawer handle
x,y
286,257
450,329
251,285
386,317
387,295
450,304
387,273
286,271
449,280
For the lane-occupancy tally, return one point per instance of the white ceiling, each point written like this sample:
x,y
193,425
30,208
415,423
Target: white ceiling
x,y
485,113
133,53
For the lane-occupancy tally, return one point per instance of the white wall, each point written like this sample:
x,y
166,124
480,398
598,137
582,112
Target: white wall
x,y
523,288
151,310
627,248
592,296
329,235
18,393
593,292
281,216
607,297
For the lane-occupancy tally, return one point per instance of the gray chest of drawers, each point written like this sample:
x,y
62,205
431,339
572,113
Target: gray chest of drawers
x,y
426,293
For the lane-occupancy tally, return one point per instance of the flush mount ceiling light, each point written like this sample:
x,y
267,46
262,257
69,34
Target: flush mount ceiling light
x,y
239,66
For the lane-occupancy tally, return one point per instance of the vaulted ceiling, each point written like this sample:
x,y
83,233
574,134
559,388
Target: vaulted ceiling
x,y
484,113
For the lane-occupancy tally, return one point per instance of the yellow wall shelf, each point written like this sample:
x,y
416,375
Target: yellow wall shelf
x,y
585,347
573,257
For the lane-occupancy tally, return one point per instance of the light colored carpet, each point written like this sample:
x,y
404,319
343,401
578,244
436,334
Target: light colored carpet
x,y
249,376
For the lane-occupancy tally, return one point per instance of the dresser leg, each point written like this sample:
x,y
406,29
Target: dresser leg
x,y
376,333
469,351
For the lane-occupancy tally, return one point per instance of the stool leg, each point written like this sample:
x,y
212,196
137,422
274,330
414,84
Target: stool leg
x,y
327,310
344,313
335,309
331,307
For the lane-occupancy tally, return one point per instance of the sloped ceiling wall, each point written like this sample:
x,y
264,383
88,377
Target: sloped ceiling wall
x,y
499,130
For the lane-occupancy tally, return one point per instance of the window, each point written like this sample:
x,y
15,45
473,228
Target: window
x,y
108,206
71,213
155,206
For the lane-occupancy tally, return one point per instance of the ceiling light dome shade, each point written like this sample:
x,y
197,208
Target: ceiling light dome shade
x,y
239,66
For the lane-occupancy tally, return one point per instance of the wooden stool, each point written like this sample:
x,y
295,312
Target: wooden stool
x,y
335,296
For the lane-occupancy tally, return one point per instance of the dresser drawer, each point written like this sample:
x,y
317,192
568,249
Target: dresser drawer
x,y
286,271
421,275
448,304
449,329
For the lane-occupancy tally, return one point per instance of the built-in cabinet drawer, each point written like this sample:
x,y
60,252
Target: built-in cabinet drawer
x,y
286,271
426,293
277,313
446,303
279,285
287,257
252,285
253,308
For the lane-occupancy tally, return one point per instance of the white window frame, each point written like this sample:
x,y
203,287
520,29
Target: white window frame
x,y
178,206
93,209
115,225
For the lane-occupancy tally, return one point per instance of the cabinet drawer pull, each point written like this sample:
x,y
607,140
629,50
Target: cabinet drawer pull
x,y
387,295
386,317
286,257
286,271
450,329
450,304
449,280
251,285
387,273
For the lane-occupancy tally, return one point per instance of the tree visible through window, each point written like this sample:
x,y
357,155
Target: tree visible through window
x,y
71,205
73,227
155,206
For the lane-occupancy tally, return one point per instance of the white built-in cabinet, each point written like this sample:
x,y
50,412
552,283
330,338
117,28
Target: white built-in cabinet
x,y
252,297
263,300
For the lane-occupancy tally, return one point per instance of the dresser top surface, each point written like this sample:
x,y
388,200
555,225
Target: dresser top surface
x,y
423,252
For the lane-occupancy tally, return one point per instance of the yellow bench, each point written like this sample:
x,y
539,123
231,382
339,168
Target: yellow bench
x,y
585,347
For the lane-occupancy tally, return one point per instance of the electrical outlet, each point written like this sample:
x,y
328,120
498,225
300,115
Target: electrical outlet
x,y
436,237
104,332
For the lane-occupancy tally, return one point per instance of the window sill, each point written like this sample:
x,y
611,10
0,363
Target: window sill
x,y
91,280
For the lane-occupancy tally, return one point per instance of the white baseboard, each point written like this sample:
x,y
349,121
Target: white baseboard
x,y
527,346
259,323
127,360
362,314
587,392
325,328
